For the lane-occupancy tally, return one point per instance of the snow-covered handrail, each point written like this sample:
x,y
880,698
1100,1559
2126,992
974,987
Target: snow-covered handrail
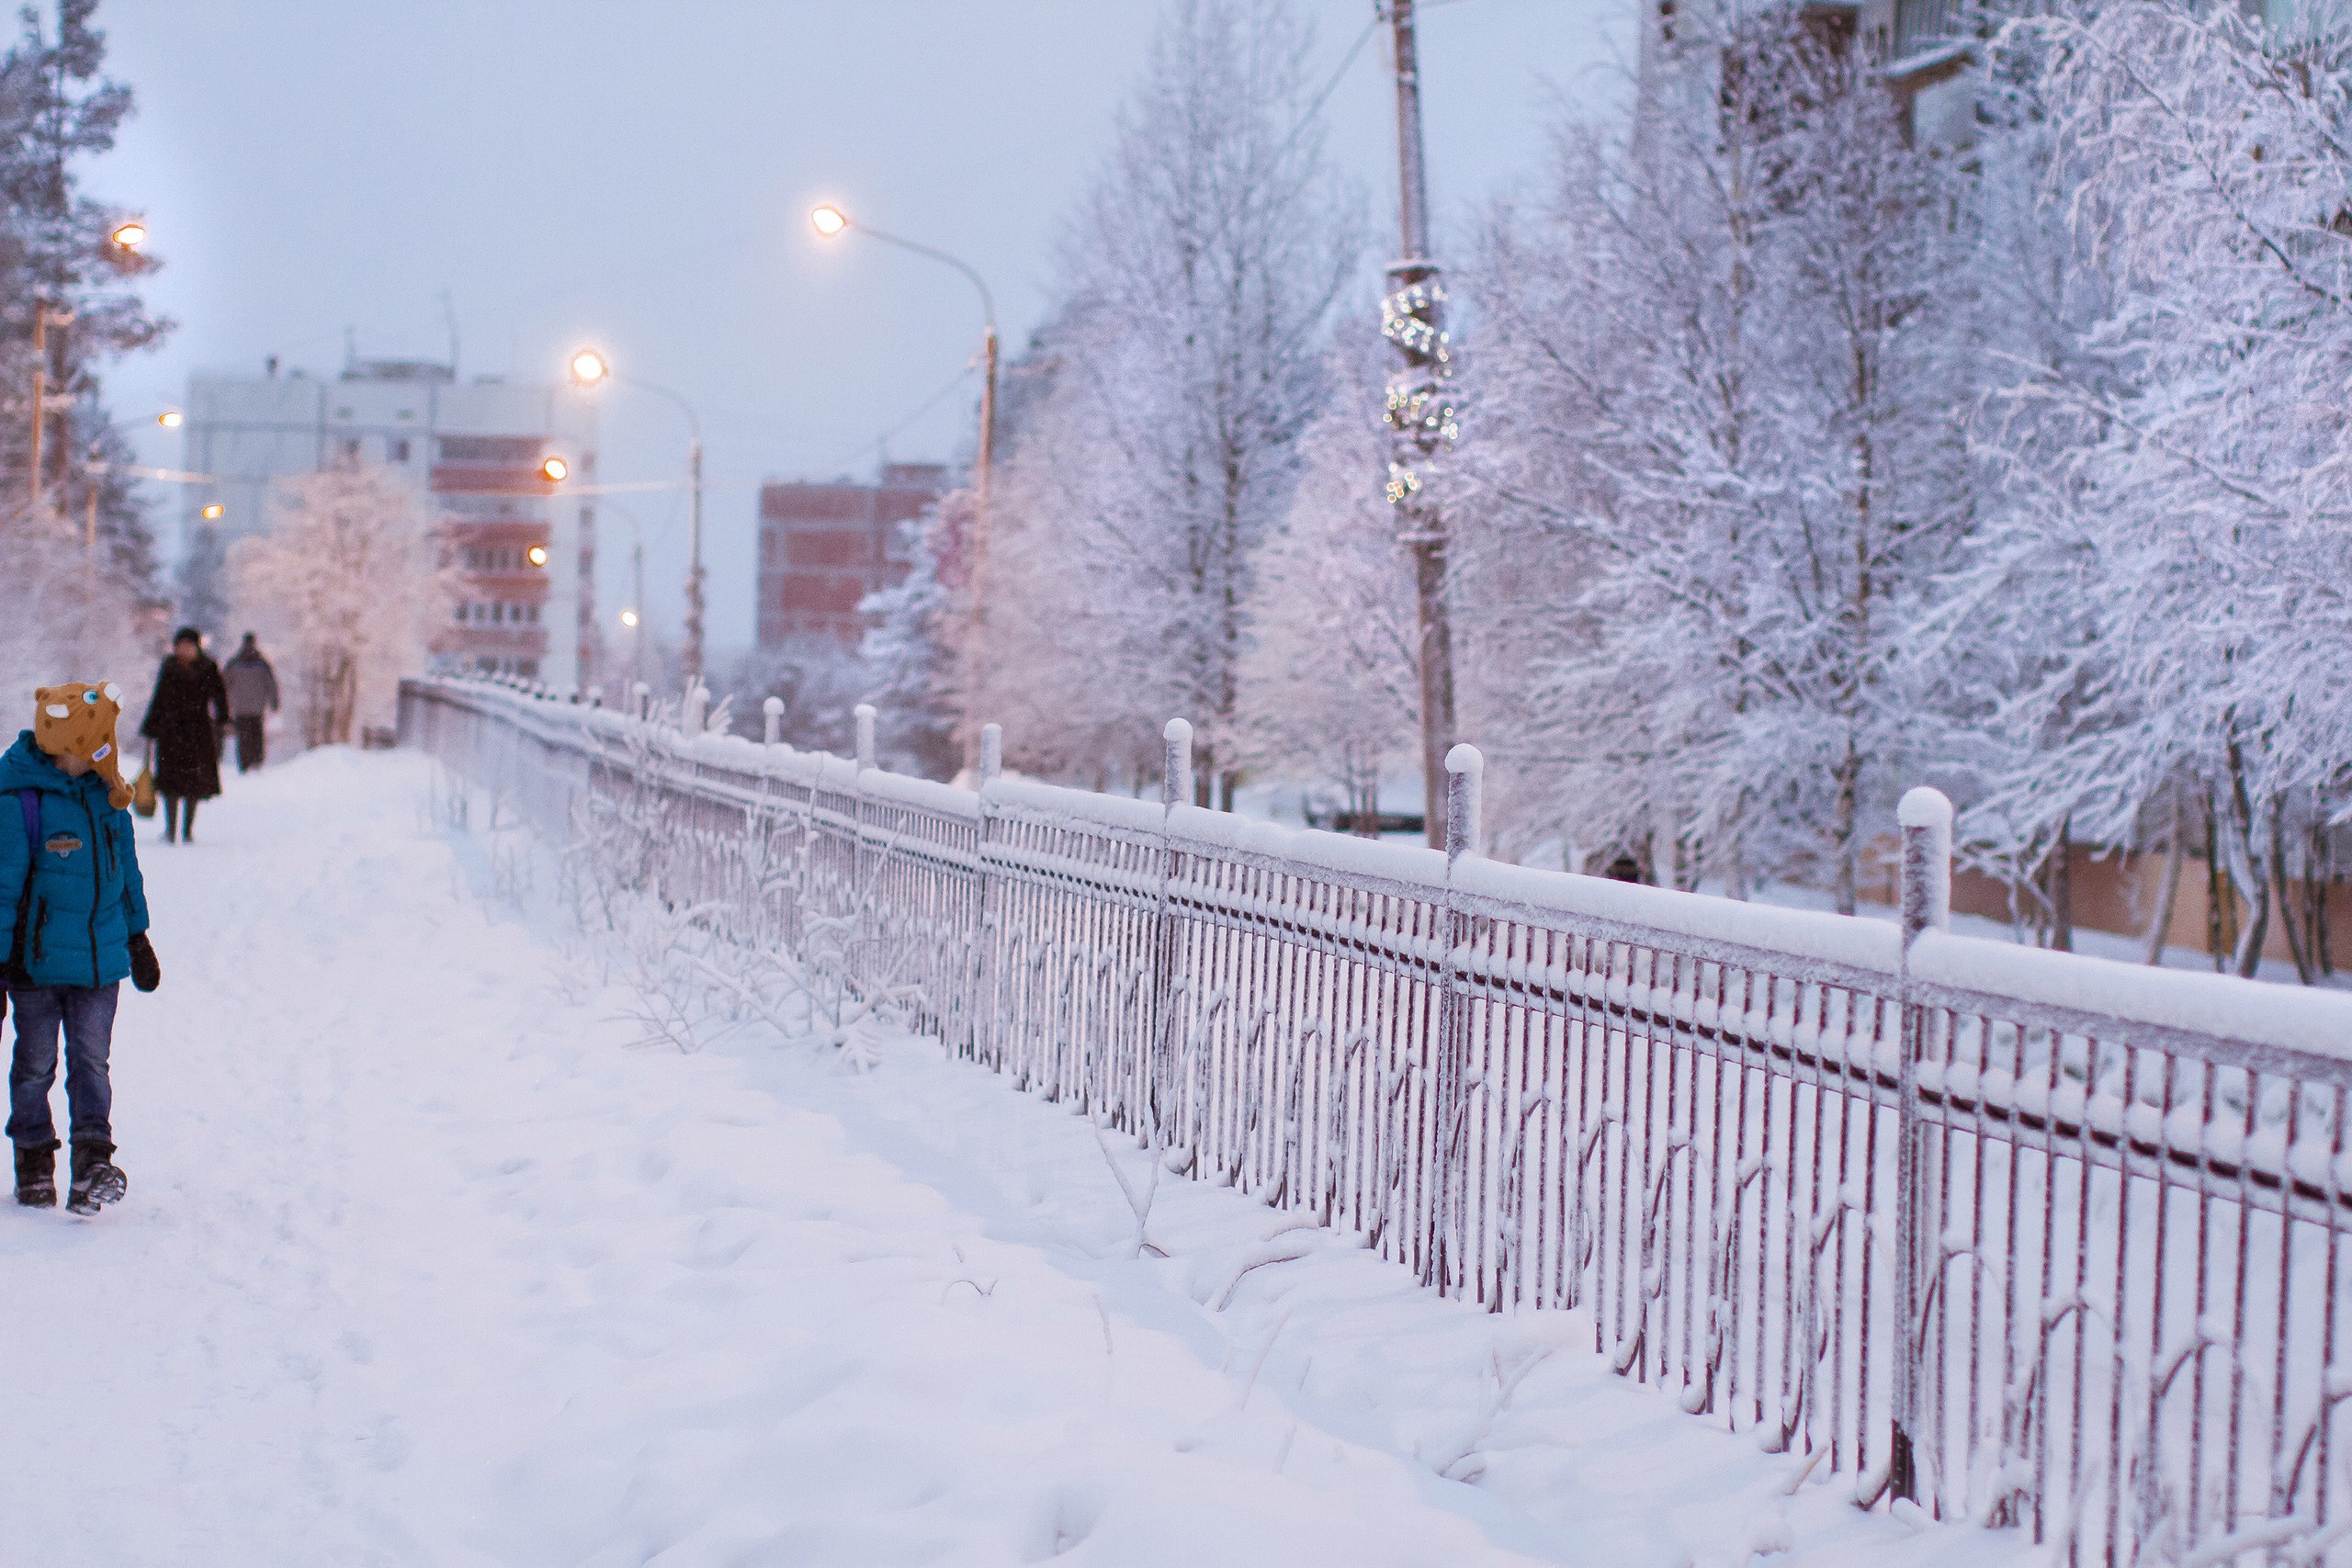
x,y
1967,1219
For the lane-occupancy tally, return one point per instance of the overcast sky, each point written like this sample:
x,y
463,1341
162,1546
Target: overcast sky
x,y
638,175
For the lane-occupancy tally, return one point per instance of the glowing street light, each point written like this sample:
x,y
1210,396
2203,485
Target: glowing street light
x,y
830,222
212,512
555,470
628,619
170,419
129,235
537,554
591,369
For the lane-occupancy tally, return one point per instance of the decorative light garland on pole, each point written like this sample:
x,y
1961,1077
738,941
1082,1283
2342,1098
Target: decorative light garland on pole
x,y
1412,318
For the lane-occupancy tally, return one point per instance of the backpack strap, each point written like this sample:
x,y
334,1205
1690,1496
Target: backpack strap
x,y
13,970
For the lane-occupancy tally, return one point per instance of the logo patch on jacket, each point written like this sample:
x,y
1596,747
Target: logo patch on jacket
x,y
62,844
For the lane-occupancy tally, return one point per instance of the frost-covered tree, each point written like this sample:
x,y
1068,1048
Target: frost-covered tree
x,y
1329,689
347,585
57,111
1198,280
2176,465
1720,429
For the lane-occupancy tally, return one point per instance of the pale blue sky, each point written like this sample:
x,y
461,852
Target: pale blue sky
x,y
639,173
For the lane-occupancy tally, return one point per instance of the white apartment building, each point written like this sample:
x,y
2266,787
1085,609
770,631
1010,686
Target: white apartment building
x,y
526,548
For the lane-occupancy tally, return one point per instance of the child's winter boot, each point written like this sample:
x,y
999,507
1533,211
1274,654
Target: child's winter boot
x,y
96,1180
37,1175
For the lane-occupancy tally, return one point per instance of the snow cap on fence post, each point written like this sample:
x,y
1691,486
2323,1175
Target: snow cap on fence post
x,y
992,752
1465,770
1176,774
865,712
772,720
643,703
1926,818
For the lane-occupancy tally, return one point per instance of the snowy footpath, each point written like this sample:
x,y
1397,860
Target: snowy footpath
x,y
428,1259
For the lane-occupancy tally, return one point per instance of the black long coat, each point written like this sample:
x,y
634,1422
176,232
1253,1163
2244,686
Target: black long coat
x,y
183,720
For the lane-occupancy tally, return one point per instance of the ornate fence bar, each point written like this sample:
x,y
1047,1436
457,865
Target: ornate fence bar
x,y
2037,1240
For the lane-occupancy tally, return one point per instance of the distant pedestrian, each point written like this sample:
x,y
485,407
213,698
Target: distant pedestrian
x,y
252,694
76,928
185,718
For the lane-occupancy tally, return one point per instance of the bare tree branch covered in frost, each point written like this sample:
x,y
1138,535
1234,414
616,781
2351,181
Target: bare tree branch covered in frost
x,y
1198,279
347,585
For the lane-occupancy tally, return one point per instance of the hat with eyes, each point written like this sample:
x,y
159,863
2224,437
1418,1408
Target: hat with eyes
x,y
77,719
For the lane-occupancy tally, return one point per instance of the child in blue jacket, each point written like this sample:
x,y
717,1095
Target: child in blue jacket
x,y
76,909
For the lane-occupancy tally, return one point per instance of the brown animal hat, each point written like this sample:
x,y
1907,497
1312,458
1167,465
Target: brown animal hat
x,y
77,720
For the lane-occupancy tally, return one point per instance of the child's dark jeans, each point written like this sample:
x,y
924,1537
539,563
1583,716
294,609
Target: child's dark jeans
x,y
86,1015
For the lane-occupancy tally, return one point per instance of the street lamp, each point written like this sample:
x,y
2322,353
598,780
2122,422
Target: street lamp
x,y
591,369
129,235
554,469
212,512
628,619
537,554
830,221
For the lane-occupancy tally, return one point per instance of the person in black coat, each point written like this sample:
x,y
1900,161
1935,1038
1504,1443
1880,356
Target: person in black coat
x,y
185,718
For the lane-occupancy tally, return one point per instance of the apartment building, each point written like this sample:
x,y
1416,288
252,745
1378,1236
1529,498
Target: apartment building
x,y
825,547
524,549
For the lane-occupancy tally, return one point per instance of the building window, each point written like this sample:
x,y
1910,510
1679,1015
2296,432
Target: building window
x,y
351,448
396,449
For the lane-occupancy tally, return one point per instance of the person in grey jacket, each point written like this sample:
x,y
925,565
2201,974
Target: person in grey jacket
x,y
252,693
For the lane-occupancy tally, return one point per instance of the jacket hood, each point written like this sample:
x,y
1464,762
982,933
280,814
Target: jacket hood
x,y
25,766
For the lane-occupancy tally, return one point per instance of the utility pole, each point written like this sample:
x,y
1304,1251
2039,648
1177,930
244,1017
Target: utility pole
x,y
1420,419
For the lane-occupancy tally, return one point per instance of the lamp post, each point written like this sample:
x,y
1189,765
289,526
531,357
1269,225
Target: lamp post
x,y
170,419
591,369
830,221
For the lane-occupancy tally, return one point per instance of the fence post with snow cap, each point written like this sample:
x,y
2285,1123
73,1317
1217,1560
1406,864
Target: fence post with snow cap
x,y
1924,816
864,713
985,938
1450,1257
1157,1087
771,721
641,703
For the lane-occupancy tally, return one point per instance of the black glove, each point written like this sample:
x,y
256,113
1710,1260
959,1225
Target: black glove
x,y
145,973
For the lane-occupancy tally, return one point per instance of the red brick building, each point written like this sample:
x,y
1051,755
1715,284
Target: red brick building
x,y
825,546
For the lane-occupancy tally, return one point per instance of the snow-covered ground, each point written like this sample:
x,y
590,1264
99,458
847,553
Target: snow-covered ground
x,y
428,1260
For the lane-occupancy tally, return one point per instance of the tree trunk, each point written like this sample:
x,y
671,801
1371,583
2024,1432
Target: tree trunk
x,y
2160,926
2296,947
2061,889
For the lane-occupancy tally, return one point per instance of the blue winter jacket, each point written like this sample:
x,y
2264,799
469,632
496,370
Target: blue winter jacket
x,y
88,900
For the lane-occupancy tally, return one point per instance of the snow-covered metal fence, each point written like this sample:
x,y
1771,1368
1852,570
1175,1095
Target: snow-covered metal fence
x,y
2030,1238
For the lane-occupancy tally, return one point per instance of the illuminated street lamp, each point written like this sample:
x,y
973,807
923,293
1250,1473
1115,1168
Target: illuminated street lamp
x,y
591,369
129,235
554,469
830,221
171,419
212,512
537,554
628,619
